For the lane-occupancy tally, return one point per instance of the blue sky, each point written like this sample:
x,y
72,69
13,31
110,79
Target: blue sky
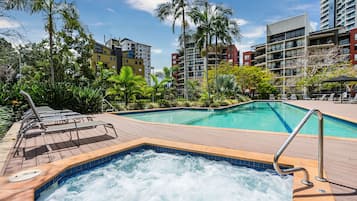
x,y
135,19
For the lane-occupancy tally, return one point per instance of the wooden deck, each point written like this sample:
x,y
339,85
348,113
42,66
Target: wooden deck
x,y
340,155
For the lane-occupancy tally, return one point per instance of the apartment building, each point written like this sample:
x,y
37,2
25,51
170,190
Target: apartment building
x,y
248,57
335,13
286,42
142,51
290,49
112,57
195,62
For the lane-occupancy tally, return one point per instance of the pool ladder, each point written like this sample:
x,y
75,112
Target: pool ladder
x,y
277,155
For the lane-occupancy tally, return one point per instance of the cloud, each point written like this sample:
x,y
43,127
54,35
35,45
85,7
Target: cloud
x,y
254,32
145,5
97,24
8,24
314,25
110,10
156,51
240,22
245,45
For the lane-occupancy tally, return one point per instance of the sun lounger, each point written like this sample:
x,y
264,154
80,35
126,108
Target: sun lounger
x,y
353,100
271,97
323,97
293,97
331,98
283,97
61,128
30,121
306,97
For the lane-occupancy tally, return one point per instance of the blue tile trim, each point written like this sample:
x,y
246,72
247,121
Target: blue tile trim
x,y
83,168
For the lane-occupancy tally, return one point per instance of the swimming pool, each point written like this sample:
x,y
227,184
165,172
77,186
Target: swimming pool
x,y
155,175
265,116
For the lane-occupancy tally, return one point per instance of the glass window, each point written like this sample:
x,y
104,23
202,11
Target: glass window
x,y
355,36
355,57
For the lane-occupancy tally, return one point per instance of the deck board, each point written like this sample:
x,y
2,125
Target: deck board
x,y
340,155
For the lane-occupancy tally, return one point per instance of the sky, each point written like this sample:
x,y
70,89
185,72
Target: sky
x,y
135,19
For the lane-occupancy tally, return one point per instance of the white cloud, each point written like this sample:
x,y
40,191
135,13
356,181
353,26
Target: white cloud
x,y
314,25
145,5
156,51
110,10
97,24
240,22
8,24
254,32
245,45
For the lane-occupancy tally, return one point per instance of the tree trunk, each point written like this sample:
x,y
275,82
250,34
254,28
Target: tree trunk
x,y
215,62
50,32
184,53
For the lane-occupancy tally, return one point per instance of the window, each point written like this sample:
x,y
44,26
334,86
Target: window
x,y
355,57
355,36
246,57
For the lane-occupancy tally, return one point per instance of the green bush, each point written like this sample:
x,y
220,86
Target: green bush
x,y
224,103
152,105
164,103
215,104
6,119
86,100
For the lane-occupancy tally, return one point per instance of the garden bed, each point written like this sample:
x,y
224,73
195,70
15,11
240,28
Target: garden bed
x,y
6,119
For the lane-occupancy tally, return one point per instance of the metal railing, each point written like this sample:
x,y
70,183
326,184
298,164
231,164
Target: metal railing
x,y
277,155
113,109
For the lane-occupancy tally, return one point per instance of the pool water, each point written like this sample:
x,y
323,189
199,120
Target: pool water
x,y
266,116
152,176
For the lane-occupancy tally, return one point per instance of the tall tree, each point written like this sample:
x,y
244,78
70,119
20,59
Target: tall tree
x,y
177,9
213,21
51,10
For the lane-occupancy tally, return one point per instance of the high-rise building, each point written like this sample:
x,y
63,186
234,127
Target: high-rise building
x,y
195,62
335,13
286,42
291,47
141,51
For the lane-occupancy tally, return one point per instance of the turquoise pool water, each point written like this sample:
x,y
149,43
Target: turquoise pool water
x,y
152,176
265,116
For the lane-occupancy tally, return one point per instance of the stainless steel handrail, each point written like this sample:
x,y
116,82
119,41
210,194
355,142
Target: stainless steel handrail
x,y
277,155
110,105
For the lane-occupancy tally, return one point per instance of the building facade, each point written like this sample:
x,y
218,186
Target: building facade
x,y
247,58
289,50
336,13
195,62
141,51
112,57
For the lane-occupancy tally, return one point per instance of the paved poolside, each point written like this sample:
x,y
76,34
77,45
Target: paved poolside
x,y
340,155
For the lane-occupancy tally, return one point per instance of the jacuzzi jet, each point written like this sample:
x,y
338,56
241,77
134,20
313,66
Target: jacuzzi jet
x,y
24,175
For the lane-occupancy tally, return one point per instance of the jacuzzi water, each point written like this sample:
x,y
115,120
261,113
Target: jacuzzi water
x,y
152,176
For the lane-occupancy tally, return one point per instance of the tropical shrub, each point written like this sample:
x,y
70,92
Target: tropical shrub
x,y
86,100
164,103
6,119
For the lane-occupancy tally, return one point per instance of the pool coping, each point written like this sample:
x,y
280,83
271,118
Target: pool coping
x,y
236,129
25,190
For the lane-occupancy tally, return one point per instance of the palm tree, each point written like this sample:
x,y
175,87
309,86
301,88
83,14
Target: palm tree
x,y
51,10
126,84
224,30
158,86
176,9
212,20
